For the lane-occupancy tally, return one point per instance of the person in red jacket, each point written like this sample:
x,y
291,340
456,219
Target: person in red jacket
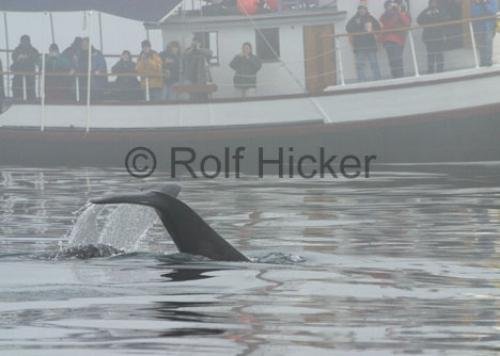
x,y
394,41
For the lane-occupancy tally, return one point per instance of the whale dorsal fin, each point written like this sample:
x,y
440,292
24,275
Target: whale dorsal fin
x,y
190,233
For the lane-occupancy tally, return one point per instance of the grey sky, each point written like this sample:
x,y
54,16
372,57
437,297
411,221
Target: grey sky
x,y
119,34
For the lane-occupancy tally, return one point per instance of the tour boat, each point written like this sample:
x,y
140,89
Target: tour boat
x,y
308,100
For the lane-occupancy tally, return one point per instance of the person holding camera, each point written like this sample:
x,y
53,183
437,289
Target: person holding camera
x,y
364,43
433,36
484,28
394,18
195,67
150,69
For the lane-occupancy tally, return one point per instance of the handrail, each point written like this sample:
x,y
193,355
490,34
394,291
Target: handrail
x,y
77,74
410,28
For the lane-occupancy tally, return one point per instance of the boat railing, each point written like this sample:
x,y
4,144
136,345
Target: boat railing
x,y
462,45
427,49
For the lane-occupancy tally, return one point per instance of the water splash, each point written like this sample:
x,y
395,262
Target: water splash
x,y
278,259
122,227
127,226
85,252
86,230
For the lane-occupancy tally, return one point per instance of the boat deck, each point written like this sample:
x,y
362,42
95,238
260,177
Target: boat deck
x,y
458,90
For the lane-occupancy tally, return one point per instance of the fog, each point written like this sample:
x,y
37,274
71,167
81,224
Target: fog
x,y
118,33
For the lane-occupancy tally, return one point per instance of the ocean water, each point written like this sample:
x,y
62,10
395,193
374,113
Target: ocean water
x,y
406,262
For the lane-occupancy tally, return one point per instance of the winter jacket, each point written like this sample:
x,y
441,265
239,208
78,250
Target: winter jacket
x,y
246,71
129,79
172,65
73,54
25,59
98,64
57,85
484,8
357,24
150,66
434,34
395,20
195,65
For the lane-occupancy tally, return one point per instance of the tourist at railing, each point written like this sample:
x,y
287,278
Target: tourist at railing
x,y
98,69
57,82
364,46
126,86
73,53
394,18
434,36
24,60
485,29
172,62
195,68
150,68
246,65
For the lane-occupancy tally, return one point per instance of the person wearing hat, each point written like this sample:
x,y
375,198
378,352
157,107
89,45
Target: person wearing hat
x,y
57,69
394,18
24,61
150,69
364,43
195,66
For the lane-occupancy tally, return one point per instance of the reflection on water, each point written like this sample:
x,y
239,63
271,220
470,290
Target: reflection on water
x,y
406,262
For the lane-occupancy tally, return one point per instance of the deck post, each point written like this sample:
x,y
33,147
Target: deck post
x,y
52,30
7,47
413,54
340,63
89,72
474,45
101,35
77,88
148,93
25,90
42,93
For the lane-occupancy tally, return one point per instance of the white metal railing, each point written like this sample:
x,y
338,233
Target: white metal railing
x,y
344,47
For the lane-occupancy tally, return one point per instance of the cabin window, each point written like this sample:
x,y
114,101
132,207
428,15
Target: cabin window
x,y
211,41
268,44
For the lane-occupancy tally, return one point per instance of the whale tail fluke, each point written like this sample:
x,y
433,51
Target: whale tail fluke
x,y
190,233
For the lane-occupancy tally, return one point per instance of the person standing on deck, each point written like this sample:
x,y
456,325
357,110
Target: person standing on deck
x,y
73,55
433,35
246,65
98,68
195,67
126,86
364,42
485,29
24,61
150,68
172,63
57,70
394,41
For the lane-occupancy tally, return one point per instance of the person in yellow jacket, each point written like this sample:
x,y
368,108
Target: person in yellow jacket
x,y
150,68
